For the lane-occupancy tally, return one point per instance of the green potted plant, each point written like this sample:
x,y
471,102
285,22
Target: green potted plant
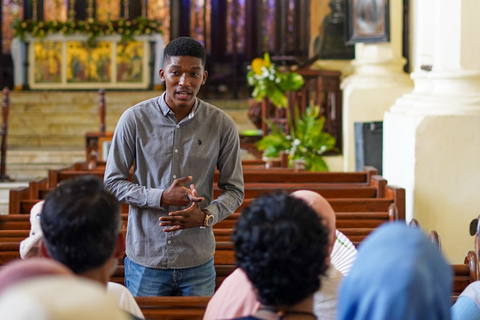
x,y
306,140
271,82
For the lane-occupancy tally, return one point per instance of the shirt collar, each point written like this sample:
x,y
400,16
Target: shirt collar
x,y
166,109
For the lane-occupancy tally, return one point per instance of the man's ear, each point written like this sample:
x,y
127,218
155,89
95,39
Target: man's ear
x,y
120,246
205,76
44,250
161,73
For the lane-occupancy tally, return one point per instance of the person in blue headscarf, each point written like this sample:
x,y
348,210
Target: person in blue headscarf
x,y
398,274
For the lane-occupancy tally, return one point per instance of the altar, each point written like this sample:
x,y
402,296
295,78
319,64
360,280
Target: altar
x,y
58,62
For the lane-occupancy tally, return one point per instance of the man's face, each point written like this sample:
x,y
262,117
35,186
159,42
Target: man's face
x,y
183,76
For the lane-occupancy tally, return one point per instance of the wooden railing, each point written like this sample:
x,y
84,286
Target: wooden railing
x,y
322,88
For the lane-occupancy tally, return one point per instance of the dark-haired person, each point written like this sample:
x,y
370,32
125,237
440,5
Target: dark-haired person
x,y
236,296
80,228
282,246
172,140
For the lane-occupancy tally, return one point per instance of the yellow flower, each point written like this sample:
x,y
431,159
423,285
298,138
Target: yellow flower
x,y
257,65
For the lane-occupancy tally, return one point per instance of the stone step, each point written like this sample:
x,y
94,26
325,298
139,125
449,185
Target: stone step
x,y
59,119
26,165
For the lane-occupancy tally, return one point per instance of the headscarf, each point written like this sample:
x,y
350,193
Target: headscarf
x,y
398,274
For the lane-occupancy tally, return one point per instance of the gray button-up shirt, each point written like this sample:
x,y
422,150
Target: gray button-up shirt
x,y
161,149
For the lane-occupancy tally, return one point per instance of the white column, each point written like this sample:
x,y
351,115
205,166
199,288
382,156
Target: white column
x,y
431,143
377,81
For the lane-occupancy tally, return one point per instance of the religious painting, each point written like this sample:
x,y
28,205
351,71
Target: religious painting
x,y
55,10
130,57
368,21
107,10
160,10
48,62
88,64
12,10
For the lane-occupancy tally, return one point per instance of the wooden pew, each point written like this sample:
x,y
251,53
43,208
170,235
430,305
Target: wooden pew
x,y
464,274
24,205
173,308
20,202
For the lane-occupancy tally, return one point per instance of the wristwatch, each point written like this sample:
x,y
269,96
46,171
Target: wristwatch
x,y
208,222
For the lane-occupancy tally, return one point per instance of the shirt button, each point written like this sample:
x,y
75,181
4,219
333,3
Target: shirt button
x,y
176,150
174,177
178,127
169,241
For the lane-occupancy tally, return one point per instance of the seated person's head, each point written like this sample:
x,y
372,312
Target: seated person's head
x,y
323,209
282,246
398,274
184,46
81,223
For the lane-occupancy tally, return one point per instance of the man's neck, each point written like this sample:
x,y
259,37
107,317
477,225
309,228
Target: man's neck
x,y
180,113
301,310
99,275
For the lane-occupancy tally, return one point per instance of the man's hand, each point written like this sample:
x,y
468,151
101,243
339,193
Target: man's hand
x,y
178,195
188,218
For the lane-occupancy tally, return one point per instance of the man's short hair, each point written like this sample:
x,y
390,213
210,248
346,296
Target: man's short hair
x,y
282,246
80,223
184,46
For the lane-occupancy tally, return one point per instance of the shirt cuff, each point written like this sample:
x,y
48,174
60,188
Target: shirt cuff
x,y
154,198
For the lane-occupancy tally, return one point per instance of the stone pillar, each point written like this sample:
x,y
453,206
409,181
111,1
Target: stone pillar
x,y
431,141
377,81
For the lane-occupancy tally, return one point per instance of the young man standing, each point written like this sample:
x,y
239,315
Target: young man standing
x,y
171,140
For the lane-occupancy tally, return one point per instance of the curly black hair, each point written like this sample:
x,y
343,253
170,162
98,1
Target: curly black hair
x,y
282,246
80,222
184,46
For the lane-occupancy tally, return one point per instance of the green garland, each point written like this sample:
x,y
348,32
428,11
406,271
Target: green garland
x,y
92,29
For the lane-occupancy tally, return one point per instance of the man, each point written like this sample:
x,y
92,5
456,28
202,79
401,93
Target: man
x,y
171,140
80,222
236,296
282,247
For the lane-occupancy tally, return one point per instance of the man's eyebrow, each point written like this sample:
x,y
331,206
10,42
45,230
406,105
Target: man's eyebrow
x,y
179,66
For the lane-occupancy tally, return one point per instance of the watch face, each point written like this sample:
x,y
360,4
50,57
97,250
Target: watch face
x,y
209,220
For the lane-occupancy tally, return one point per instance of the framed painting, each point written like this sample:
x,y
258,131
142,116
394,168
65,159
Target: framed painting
x,y
88,64
69,62
130,61
48,62
367,21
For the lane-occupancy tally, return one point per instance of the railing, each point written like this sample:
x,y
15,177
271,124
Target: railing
x,y
321,88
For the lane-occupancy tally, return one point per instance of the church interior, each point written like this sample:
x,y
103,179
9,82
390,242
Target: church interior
x,y
398,83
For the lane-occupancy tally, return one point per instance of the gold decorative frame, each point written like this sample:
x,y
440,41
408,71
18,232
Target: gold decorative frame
x,y
84,67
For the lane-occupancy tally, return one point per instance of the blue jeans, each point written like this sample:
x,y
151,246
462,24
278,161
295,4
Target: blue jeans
x,y
145,282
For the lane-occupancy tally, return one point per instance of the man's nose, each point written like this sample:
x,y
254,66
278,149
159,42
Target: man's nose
x,y
184,80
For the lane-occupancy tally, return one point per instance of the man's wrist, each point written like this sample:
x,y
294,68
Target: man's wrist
x,y
208,219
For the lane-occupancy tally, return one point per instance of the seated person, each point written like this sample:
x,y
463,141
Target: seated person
x,y
19,270
79,226
59,298
282,247
236,296
398,274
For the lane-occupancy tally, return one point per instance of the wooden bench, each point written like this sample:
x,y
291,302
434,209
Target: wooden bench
x,y
173,308
21,203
